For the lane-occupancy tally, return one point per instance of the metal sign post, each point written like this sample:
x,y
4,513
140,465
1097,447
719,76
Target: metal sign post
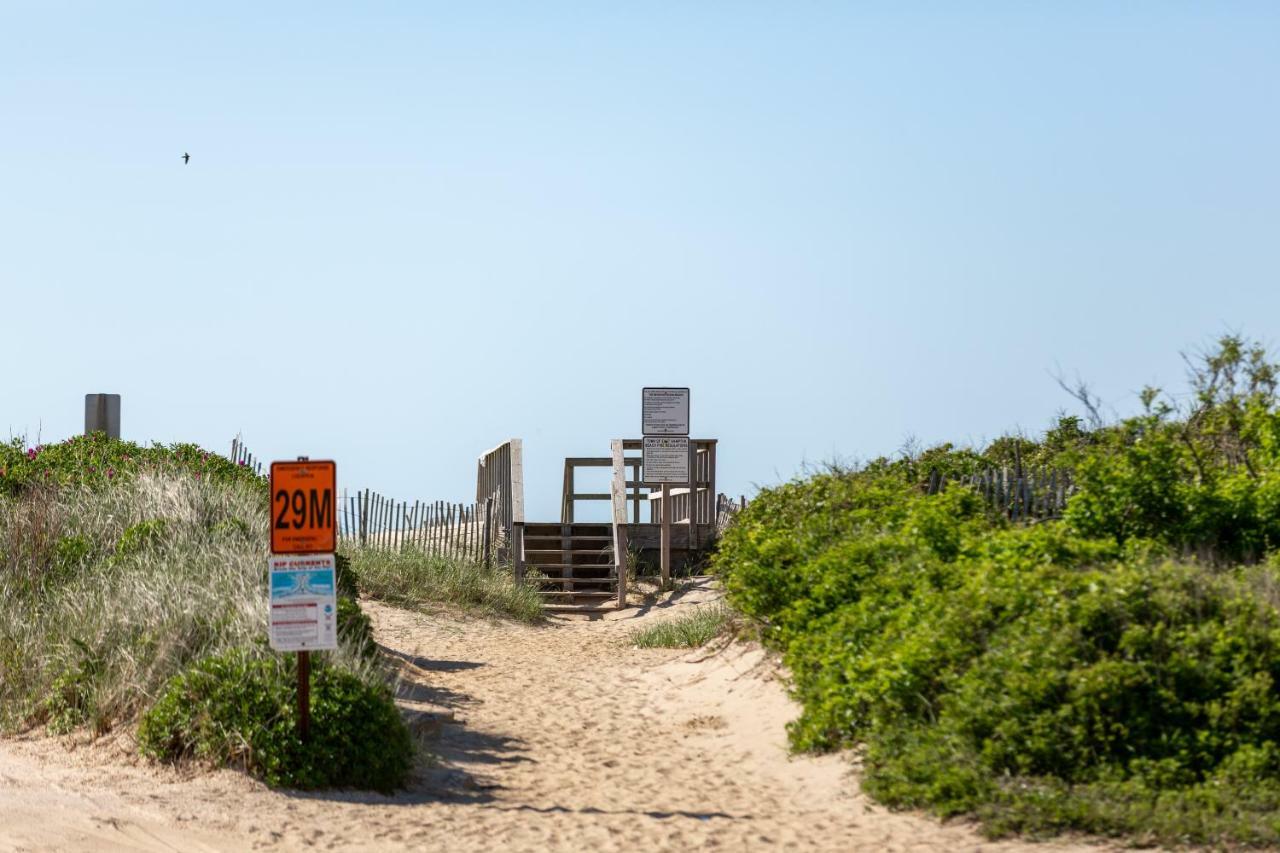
x,y
302,572
664,421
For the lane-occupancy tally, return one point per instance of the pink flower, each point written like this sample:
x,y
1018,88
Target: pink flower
x,y
111,472
31,453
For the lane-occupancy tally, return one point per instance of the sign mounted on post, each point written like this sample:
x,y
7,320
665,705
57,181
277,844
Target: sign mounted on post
x,y
664,411
666,459
304,604
303,507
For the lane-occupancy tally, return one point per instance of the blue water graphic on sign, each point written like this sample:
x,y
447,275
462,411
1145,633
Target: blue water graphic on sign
x,y
285,584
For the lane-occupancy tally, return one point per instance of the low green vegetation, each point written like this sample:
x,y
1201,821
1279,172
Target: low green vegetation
x,y
690,630
240,710
97,462
137,595
1114,671
420,581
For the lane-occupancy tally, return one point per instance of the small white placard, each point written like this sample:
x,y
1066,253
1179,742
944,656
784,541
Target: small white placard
x,y
664,411
666,459
304,602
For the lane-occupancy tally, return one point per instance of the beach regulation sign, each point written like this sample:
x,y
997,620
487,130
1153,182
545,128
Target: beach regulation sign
x,y
665,459
664,411
304,507
303,603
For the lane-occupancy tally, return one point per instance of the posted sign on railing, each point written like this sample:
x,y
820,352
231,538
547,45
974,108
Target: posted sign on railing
x,y
666,459
664,411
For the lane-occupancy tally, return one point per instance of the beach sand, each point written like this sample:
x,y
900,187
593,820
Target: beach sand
x,y
555,737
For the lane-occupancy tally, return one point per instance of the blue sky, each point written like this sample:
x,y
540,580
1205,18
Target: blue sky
x,y
411,230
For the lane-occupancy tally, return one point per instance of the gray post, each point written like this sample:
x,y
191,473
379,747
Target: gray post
x,y
102,414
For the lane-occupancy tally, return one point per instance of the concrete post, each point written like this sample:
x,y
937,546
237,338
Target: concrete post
x,y
102,414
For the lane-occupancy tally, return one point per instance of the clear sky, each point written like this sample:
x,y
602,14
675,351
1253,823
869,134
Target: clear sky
x,y
409,231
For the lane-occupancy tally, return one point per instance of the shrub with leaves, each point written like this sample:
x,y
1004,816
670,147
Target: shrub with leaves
x,y
97,461
1114,672
238,709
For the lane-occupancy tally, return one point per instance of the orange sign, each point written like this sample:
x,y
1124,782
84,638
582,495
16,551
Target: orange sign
x,y
303,507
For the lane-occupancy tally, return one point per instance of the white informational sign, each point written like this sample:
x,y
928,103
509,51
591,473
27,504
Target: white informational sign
x,y
666,459
304,602
664,411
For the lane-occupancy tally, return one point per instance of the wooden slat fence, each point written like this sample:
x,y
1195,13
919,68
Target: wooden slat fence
x,y
465,531
367,519
241,456
1021,495
727,510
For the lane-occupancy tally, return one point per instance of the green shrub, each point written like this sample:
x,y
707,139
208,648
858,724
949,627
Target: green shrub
x,y
70,700
347,579
1063,675
690,630
238,710
98,462
144,536
355,629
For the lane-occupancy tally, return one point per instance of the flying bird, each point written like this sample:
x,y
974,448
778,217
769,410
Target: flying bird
x,y
186,158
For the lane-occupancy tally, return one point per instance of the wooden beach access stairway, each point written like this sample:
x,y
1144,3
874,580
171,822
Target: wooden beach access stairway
x,y
581,566
576,565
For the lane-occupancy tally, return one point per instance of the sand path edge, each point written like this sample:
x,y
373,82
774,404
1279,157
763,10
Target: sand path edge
x,y
553,737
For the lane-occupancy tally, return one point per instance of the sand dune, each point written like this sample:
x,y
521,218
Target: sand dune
x,y
549,738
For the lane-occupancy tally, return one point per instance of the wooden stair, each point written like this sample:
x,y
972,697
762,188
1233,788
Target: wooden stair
x,y
572,565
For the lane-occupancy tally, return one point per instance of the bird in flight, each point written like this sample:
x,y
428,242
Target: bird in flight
x,y
186,158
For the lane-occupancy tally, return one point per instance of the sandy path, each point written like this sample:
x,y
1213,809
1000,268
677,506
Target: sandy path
x,y
550,738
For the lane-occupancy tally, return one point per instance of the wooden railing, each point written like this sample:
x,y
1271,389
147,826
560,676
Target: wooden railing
x,y
700,510
694,502
500,476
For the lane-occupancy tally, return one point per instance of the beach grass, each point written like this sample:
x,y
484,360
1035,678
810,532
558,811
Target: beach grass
x,y
688,631
426,582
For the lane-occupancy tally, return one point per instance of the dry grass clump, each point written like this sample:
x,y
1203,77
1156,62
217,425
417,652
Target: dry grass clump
x,y
421,581
105,594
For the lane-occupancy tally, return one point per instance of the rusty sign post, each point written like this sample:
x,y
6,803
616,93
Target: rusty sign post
x,y
303,569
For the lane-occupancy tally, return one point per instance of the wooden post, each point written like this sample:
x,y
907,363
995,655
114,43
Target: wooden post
x,y
488,522
517,549
665,544
304,696
618,491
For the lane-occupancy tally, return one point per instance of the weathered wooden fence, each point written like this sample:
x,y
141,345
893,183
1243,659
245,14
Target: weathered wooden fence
x,y
1019,494
465,531
367,519
241,456
727,510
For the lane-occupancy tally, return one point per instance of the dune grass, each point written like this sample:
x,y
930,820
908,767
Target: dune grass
x,y
106,593
427,582
688,631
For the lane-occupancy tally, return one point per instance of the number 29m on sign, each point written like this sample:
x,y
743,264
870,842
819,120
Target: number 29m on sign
x,y
302,507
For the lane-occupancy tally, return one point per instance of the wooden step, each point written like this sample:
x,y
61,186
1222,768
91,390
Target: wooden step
x,y
580,594
570,580
579,608
595,552
541,566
